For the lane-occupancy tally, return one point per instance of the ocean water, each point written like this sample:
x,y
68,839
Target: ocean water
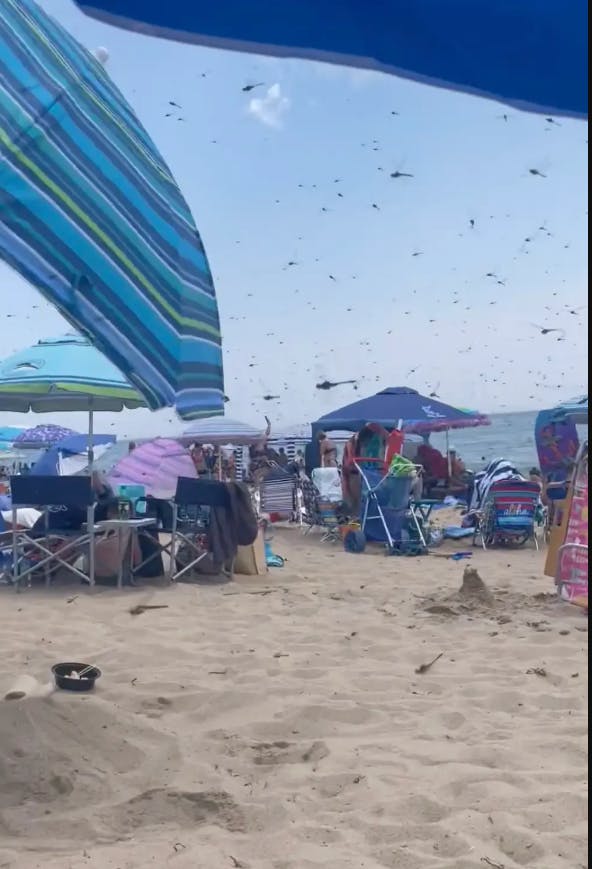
x,y
510,436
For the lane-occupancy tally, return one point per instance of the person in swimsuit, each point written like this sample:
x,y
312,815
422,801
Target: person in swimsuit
x,y
328,451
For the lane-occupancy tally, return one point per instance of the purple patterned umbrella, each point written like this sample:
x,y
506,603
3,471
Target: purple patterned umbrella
x,y
156,465
42,437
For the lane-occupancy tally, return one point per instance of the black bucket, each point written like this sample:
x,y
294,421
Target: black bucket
x,y
61,673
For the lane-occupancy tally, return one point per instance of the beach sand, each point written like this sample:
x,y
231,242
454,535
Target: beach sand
x,y
279,722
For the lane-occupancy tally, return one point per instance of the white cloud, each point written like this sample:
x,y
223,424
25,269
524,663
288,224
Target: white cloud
x,y
271,108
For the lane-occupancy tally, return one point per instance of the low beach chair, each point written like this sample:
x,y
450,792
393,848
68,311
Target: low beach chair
x,y
509,516
47,549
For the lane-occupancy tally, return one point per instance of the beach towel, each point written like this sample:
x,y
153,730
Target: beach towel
x,y
496,471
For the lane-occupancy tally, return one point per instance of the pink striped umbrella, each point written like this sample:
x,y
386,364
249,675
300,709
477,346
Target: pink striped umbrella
x,y
156,465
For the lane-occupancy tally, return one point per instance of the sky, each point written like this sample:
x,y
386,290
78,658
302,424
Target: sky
x,y
328,268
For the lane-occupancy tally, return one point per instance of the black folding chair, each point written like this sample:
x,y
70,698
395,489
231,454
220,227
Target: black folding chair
x,y
191,512
67,530
5,550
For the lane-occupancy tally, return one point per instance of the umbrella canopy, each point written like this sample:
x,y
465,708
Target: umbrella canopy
x,y
8,434
90,214
156,465
531,55
64,374
70,456
220,431
42,437
575,409
400,407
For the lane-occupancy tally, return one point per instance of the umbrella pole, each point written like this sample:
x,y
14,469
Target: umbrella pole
x,y
91,437
448,456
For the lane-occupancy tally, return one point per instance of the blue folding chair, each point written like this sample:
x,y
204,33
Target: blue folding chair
x,y
509,516
67,530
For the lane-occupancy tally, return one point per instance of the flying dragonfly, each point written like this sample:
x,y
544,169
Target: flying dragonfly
x,y
328,384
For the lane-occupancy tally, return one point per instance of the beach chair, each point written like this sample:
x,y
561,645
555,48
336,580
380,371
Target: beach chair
x,y
388,513
509,515
5,551
47,549
191,505
277,493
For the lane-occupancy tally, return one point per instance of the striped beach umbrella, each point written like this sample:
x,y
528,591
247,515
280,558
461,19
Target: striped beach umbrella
x,y
533,55
64,374
220,431
91,215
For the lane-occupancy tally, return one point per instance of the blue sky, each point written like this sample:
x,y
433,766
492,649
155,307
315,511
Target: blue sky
x,y
262,179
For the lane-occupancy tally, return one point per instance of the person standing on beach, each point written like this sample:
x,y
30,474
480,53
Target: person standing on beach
x,y
328,451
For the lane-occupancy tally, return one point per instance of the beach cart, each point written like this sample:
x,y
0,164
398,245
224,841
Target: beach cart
x,y
388,513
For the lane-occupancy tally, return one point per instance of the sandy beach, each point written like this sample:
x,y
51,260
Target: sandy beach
x,y
279,722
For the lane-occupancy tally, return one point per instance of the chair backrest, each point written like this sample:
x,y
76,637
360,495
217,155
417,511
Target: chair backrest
x,y
515,503
46,491
201,493
328,483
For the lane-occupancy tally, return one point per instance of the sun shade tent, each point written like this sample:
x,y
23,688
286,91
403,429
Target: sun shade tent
x,y
530,55
64,374
402,408
221,431
91,215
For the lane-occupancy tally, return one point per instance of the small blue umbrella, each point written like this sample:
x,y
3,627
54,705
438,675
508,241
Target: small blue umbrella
x,y
61,375
533,55
91,215
402,408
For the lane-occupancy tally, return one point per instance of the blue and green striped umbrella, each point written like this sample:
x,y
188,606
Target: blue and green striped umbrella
x,y
64,374
90,214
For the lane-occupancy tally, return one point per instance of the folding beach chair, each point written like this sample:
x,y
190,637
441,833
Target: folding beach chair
x,y
509,516
328,506
277,493
5,551
65,502
192,504
388,514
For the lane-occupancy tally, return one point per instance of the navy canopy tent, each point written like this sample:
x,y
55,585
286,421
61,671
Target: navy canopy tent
x,y
532,55
399,407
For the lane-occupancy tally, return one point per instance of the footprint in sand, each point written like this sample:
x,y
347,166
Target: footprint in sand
x,y
155,707
182,808
275,753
